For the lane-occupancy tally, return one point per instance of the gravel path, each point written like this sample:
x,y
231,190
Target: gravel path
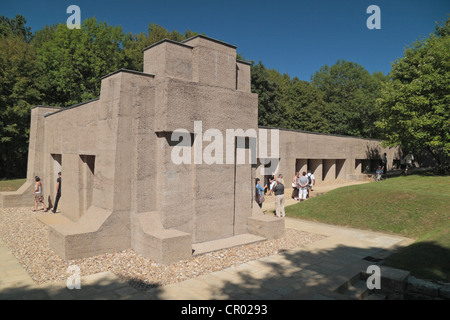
x,y
27,238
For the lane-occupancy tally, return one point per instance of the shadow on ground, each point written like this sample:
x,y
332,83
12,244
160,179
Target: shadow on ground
x,y
290,275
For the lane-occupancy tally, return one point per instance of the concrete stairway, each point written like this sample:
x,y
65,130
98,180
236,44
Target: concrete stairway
x,y
356,289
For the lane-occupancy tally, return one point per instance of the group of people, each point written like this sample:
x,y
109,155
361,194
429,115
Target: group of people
x,y
302,187
39,196
406,163
276,187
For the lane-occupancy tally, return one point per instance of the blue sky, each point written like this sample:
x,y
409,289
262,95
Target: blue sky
x,y
294,37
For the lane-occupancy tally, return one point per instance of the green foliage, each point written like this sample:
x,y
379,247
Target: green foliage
x,y
60,67
15,26
414,206
287,103
349,92
74,60
20,90
306,107
11,185
271,113
414,110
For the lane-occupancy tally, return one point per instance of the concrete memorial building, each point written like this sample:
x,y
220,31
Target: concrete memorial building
x,y
121,188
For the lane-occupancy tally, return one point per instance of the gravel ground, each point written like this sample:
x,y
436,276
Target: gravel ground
x,y
27,238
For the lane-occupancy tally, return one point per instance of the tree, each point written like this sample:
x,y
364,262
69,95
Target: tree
x,y
414,109
15,26
74,60
19,91
271,112
305,108
350,93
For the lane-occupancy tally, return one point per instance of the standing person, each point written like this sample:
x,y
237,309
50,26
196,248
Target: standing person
x,y
303,186
259,193
58,192
311,182
272,183
278,189
403,164
384,162
295,187
409,161
38,196
280,176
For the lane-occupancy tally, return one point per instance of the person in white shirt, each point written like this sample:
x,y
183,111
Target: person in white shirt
x,y
311,180
38,196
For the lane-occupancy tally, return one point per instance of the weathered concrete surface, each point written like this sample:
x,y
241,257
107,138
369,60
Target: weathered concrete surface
x,y
328,157
121,186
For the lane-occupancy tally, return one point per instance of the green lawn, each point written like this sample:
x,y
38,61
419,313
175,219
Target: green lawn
x,y
11,185
416,206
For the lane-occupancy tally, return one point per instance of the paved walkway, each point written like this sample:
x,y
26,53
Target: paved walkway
x,y
309,272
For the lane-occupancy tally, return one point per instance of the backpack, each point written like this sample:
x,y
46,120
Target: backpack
x,y
309,179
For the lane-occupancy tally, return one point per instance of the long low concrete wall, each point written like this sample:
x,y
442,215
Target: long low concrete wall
x,y
328,157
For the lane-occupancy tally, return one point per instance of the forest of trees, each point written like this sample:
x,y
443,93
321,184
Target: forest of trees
x,y
57,66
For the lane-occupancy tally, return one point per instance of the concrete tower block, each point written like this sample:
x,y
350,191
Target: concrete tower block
x,y
243,82
170,59
214,62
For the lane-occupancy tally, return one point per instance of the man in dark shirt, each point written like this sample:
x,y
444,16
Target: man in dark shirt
x,y
279,197
58,192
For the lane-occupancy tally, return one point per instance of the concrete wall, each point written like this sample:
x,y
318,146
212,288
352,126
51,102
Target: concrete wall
x,y
121,188
23,197
328,157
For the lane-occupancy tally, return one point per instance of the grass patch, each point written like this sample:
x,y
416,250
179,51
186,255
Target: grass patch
x,y
11,185
415,206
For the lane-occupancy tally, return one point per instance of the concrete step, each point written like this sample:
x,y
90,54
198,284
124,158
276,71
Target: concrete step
x,y
215,245
354,288
357,290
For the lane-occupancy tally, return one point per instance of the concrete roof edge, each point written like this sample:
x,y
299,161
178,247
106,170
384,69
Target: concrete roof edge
x,y
73,106
319,133
211,39
49,107
170,41
128,71
250,63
